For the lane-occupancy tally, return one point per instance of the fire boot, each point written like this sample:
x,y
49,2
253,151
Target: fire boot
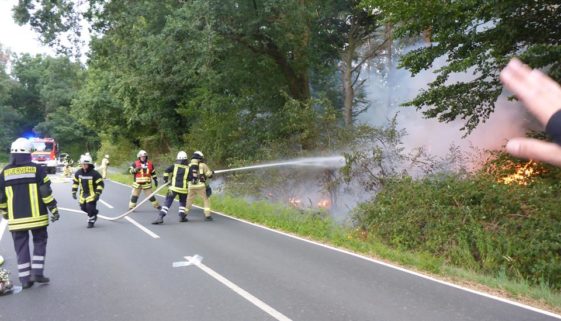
x,y
40,279
183,217
91,221
159,219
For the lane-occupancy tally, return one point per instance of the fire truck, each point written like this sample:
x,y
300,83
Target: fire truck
x,y
45,153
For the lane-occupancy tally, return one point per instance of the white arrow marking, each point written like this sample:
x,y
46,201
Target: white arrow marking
x,y
196,261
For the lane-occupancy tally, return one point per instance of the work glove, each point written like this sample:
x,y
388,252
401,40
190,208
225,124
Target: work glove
x,y
74,195
55,216
211,174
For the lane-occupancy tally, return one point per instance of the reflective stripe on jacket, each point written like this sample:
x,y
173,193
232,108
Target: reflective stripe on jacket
x,y
146,171
90,183
177,175
25,193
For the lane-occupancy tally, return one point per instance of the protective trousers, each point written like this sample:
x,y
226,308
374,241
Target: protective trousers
x,y
147,191
103,170
91,209
169,200
26,266
202,193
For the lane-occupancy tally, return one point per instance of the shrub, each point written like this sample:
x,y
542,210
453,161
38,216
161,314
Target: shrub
x,y
474,223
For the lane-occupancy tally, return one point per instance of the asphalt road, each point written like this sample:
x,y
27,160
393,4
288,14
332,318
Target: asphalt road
x,y
123,271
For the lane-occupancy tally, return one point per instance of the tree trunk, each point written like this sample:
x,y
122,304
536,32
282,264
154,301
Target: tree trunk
x,y
348,90
389,49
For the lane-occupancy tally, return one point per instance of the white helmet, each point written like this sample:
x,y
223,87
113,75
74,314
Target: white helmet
x,y
181,155
142,153
85,159
21,146
198,155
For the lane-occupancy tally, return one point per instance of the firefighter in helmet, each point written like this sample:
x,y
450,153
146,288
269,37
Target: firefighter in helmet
x,y
91,186
25,197
144,174
67,170
176,174
103,166
198,174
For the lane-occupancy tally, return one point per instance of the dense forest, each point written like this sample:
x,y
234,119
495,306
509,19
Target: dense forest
x,y
250,81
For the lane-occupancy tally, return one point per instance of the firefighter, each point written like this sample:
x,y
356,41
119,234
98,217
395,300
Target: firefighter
x,y
144,173
104,165
25,197
67,171
198,174
91,186
176,174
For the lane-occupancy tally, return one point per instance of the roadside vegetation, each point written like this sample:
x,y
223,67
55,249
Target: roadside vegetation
x,y
471,229
257,81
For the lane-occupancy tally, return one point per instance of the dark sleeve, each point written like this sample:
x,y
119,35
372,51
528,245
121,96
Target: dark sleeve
x,y
45,190
553,127
3,200
154,175
75,182
99,184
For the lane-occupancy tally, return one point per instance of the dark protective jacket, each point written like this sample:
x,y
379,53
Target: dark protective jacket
x,y
90,183
25,193
177,176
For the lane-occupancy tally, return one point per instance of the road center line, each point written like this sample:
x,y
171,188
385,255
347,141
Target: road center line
x,y
135,223
105,203
3,224
143,228
246,295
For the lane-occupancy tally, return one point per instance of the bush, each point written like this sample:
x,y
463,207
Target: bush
x,y
473,223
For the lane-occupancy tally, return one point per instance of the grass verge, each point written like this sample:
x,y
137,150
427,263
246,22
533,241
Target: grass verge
x,y
320,227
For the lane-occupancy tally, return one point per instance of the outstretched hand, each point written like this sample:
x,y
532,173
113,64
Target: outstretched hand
x,y
542,97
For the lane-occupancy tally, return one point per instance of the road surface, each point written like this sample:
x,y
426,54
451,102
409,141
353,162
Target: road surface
x,y
124,270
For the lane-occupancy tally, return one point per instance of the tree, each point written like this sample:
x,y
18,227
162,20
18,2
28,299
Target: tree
x,y
355,34
476,37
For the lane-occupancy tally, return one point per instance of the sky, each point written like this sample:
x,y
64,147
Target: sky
x,y
19,39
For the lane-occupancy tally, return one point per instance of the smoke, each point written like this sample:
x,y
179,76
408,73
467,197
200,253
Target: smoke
x,y
387,91
386,94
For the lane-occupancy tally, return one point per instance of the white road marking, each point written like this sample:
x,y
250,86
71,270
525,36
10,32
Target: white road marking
x,y
71,210
144,229
105,203
135,223
3,224
196,261
395,267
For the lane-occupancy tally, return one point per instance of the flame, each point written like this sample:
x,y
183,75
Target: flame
x,y
523,174
296,202
324,203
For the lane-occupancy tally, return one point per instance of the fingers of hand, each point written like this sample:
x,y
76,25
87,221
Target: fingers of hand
x,y
535,149
540,93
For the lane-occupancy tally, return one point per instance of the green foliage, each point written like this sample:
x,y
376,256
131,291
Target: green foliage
x,y
475,223
477,38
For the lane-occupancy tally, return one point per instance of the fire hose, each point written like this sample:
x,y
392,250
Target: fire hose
x,y
137,205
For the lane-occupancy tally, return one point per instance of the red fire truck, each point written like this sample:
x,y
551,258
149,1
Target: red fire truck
x,y
45,153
